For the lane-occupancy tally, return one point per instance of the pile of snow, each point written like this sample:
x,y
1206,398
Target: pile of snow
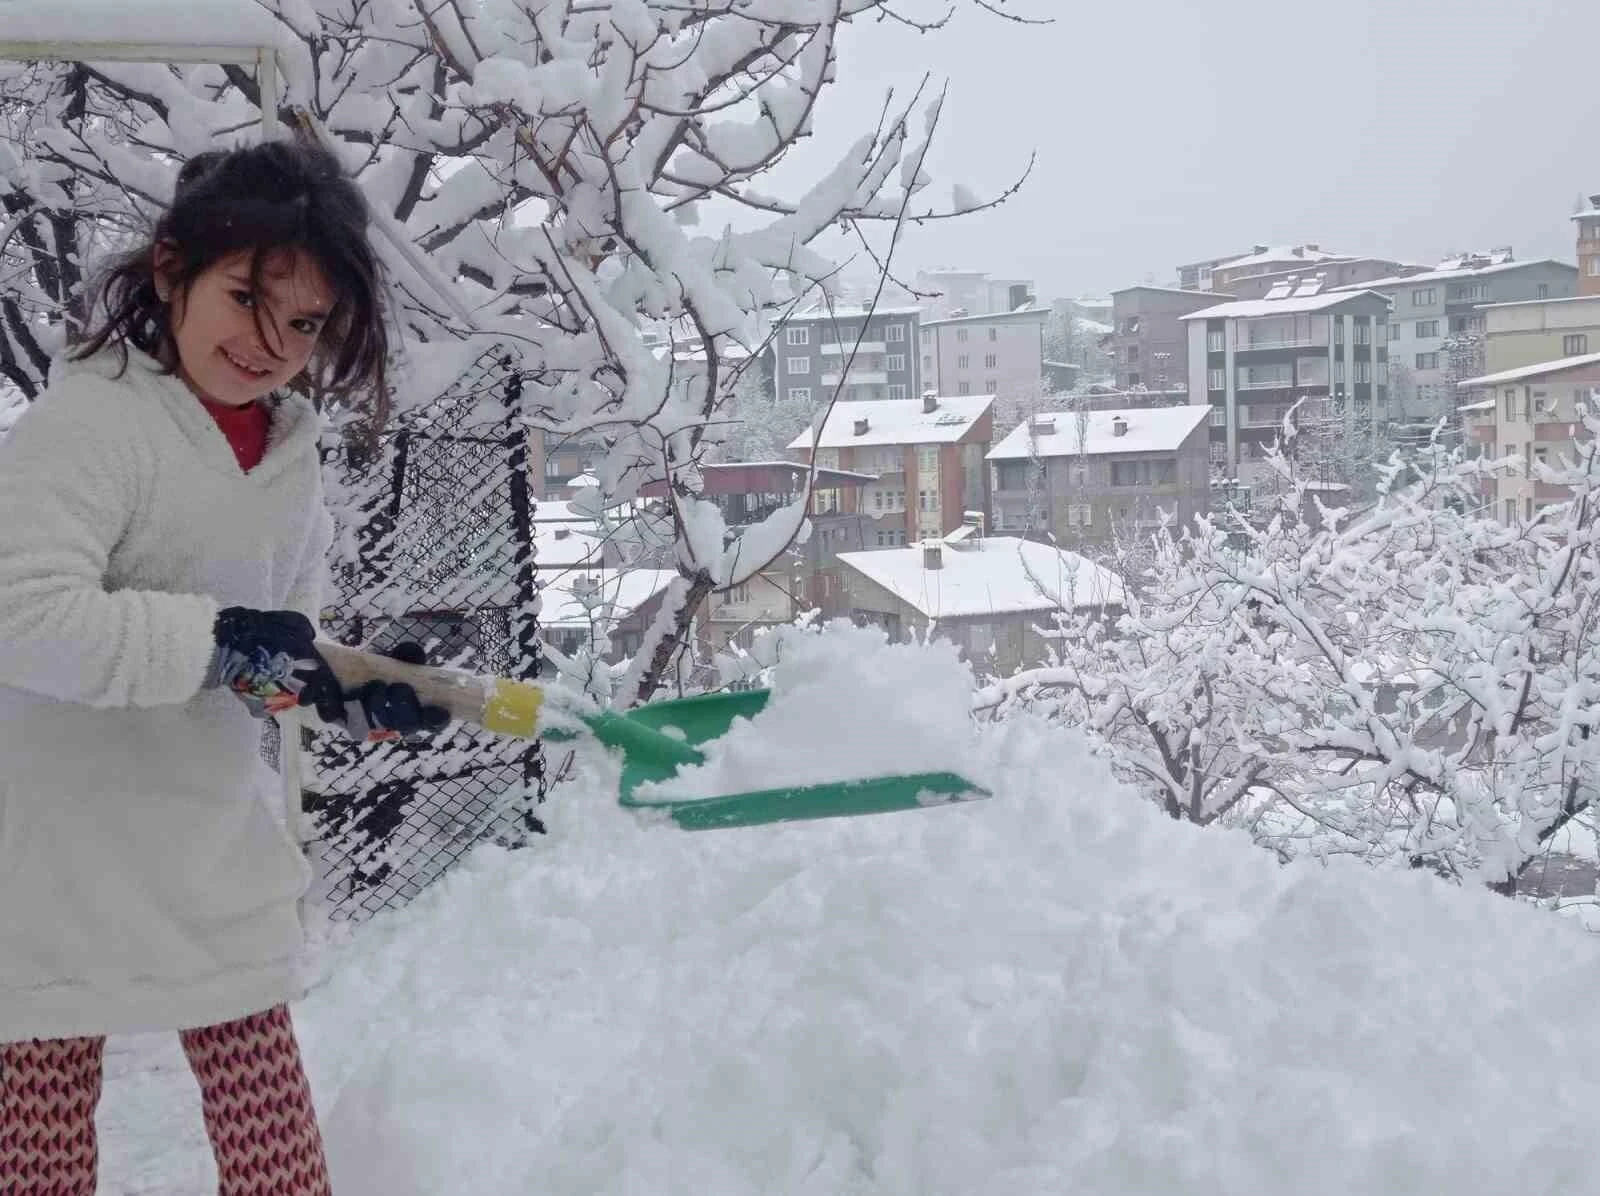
x,y
1057,990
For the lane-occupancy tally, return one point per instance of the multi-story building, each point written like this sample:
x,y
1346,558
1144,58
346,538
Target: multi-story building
x,y
1588,222
998,354
927,457
1255,359
1436,305
812,348
1148,341
1530,416
1337,272
1538,330
1087,477
1217,273
990,596
806,576
951,292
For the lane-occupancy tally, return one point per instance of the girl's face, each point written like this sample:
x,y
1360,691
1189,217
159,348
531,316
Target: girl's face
x,y
225,352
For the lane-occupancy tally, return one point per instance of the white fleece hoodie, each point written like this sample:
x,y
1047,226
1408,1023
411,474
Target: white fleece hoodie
x,y
146,880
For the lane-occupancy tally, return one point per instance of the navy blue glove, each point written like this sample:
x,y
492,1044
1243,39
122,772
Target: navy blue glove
x,y
266,657
376,711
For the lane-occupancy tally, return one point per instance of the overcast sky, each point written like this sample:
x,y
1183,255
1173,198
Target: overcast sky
x,y
1169,131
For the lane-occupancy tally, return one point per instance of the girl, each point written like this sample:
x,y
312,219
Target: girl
x,y
162,542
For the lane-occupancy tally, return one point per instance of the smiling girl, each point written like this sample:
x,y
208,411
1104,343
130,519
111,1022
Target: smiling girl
x,y
162,554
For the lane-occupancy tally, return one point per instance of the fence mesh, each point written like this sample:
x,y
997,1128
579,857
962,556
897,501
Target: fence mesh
x,y
435,546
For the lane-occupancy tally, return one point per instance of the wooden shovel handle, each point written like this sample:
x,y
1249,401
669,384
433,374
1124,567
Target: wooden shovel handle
x,y
463,694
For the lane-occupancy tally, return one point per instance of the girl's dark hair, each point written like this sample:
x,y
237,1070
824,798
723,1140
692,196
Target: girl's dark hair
x,y
261,199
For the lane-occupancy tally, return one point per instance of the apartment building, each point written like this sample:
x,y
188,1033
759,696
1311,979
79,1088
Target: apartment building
x,y
997,354
1539,330
1588,222
1431,307
1530,416
812,348
926,457
1338,272
805,577
1089,476
1216,274
1148,341
1255,359
951,292
988,595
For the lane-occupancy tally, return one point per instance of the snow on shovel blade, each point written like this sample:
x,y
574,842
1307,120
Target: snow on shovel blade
x,y
880,795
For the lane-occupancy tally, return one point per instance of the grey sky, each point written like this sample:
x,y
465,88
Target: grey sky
x,y
1171,131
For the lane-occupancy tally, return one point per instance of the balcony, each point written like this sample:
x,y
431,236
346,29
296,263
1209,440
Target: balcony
x,y
856,378
1274,383
835,349
1312,340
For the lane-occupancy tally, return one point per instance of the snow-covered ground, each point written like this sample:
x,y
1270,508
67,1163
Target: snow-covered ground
x,y
1057,990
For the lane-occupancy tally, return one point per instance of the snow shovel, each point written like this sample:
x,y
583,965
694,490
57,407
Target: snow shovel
x,y
655,740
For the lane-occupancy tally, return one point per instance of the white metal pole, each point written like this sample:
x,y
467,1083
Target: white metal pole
x,y
267,81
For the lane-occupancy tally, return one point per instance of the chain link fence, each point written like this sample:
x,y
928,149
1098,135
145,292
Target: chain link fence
x,y
435,546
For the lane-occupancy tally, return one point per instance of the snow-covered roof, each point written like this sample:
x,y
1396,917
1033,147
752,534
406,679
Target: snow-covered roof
x,y
564,545
1244,309
899,421
1192,294
1149,430
849,311
997,575
1028,312
1449,275
155,24
1541,302
1094,327
1282,253
627,589
1528,372
1486,405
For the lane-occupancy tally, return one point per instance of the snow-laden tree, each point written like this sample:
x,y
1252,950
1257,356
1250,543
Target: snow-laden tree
x,y
1410,682
549,175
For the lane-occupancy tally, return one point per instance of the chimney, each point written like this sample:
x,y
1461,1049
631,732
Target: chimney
x,y
930,401
932,554
1119,426
1043,423
1594,202
1260,248
563,533
861,427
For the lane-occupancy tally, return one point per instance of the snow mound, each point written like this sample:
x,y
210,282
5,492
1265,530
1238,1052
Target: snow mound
x,y
1058,990
845,704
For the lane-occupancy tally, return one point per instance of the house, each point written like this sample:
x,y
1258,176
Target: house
x,y
1334,272
1536,417
1148,341
1256,359
989,595
1588,222
927,457
577,605
804,577
1089,476
1216,274
1430,308
1538,330
997,354
811,350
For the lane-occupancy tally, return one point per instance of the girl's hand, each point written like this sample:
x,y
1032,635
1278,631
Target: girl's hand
x,y
377,711
266,657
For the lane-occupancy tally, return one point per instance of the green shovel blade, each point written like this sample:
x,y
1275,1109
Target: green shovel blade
x,y
658,738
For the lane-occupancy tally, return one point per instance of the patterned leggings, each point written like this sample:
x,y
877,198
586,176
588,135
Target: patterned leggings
x,y
253,1092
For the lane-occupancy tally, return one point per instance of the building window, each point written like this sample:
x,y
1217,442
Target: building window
x,y
798,365
963,388
990,387
1216,379
1575,345
1427,329
1338,371
895,362
1394,332
1427,361
799,394
1133,354
1219,453
1216,341
989,360
927,459
1133,379
798,336
927,363
1144,473
895,333
961,335
1080,515
1594,266
1363,332
1424,297
1219,417
1338,331
1542,291
1363,371
927,336
961,361
1511,510
1508,408
994,334
897,390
